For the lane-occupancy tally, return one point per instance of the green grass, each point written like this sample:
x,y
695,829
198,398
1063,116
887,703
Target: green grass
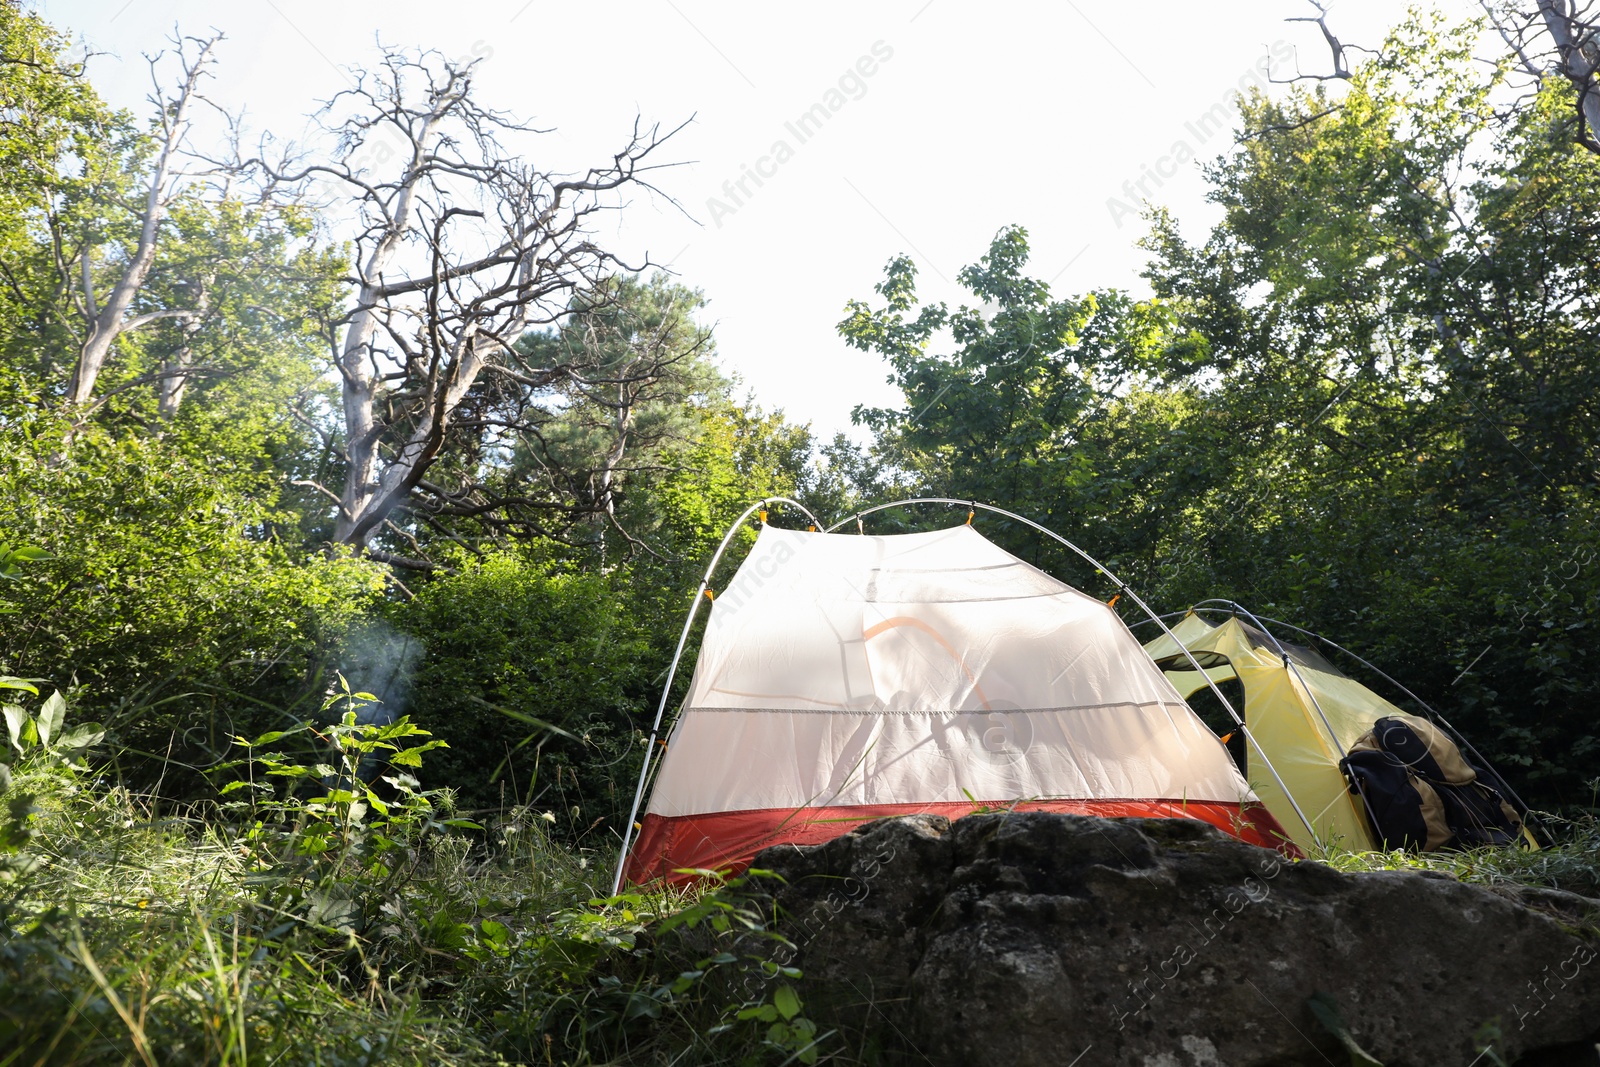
x,y
146,937
135,934
131,934
1571,863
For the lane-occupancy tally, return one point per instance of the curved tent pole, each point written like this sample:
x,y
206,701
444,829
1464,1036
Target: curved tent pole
x,y
1423,704
1125,591
672,671
1164,615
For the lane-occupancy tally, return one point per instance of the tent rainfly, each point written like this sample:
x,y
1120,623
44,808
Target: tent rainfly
x,y
847,677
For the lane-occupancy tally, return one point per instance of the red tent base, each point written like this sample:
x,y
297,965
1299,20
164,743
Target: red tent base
x,y
670,848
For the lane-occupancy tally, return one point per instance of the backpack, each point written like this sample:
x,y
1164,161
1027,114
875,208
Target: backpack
x,y
1421,794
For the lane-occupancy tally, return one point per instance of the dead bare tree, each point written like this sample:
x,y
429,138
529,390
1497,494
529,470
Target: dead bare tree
x,y
107,319
461,246
1557,39
1548,39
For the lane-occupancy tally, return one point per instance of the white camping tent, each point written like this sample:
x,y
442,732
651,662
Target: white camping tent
x,y
845,677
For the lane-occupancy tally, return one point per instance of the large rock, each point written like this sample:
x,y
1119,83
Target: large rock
x,y
1015,939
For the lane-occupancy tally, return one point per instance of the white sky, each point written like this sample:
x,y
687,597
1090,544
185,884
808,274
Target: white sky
x,y
981,117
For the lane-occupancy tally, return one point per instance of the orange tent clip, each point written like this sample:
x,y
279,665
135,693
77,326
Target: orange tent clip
x,y
1113,601
762,515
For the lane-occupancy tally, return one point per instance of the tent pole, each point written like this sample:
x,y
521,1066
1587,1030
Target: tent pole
x,y
1432,712
672,671
1196,609
1131,595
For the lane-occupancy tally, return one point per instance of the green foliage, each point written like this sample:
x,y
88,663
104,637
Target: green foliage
x,y
59,148
46,731
164,590
12,559
340,853
327,918
739,455
651,976
637,365
131,938
1571,862
1409,405
1029,410
225,310
533,672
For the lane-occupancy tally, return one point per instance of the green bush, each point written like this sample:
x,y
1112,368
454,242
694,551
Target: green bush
x,y
314,925
534,674
165,602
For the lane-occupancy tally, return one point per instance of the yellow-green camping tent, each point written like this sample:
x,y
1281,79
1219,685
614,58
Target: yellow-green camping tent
x,y
1300,710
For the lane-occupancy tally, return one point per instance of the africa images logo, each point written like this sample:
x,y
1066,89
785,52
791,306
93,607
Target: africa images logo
x,y
1005,732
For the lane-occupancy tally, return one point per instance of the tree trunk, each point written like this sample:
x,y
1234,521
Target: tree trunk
x,y
106,326
175,369
356,364
1574,43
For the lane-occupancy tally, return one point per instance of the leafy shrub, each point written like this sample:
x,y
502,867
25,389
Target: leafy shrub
x,y
163,594
534,675
341,854
127,938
